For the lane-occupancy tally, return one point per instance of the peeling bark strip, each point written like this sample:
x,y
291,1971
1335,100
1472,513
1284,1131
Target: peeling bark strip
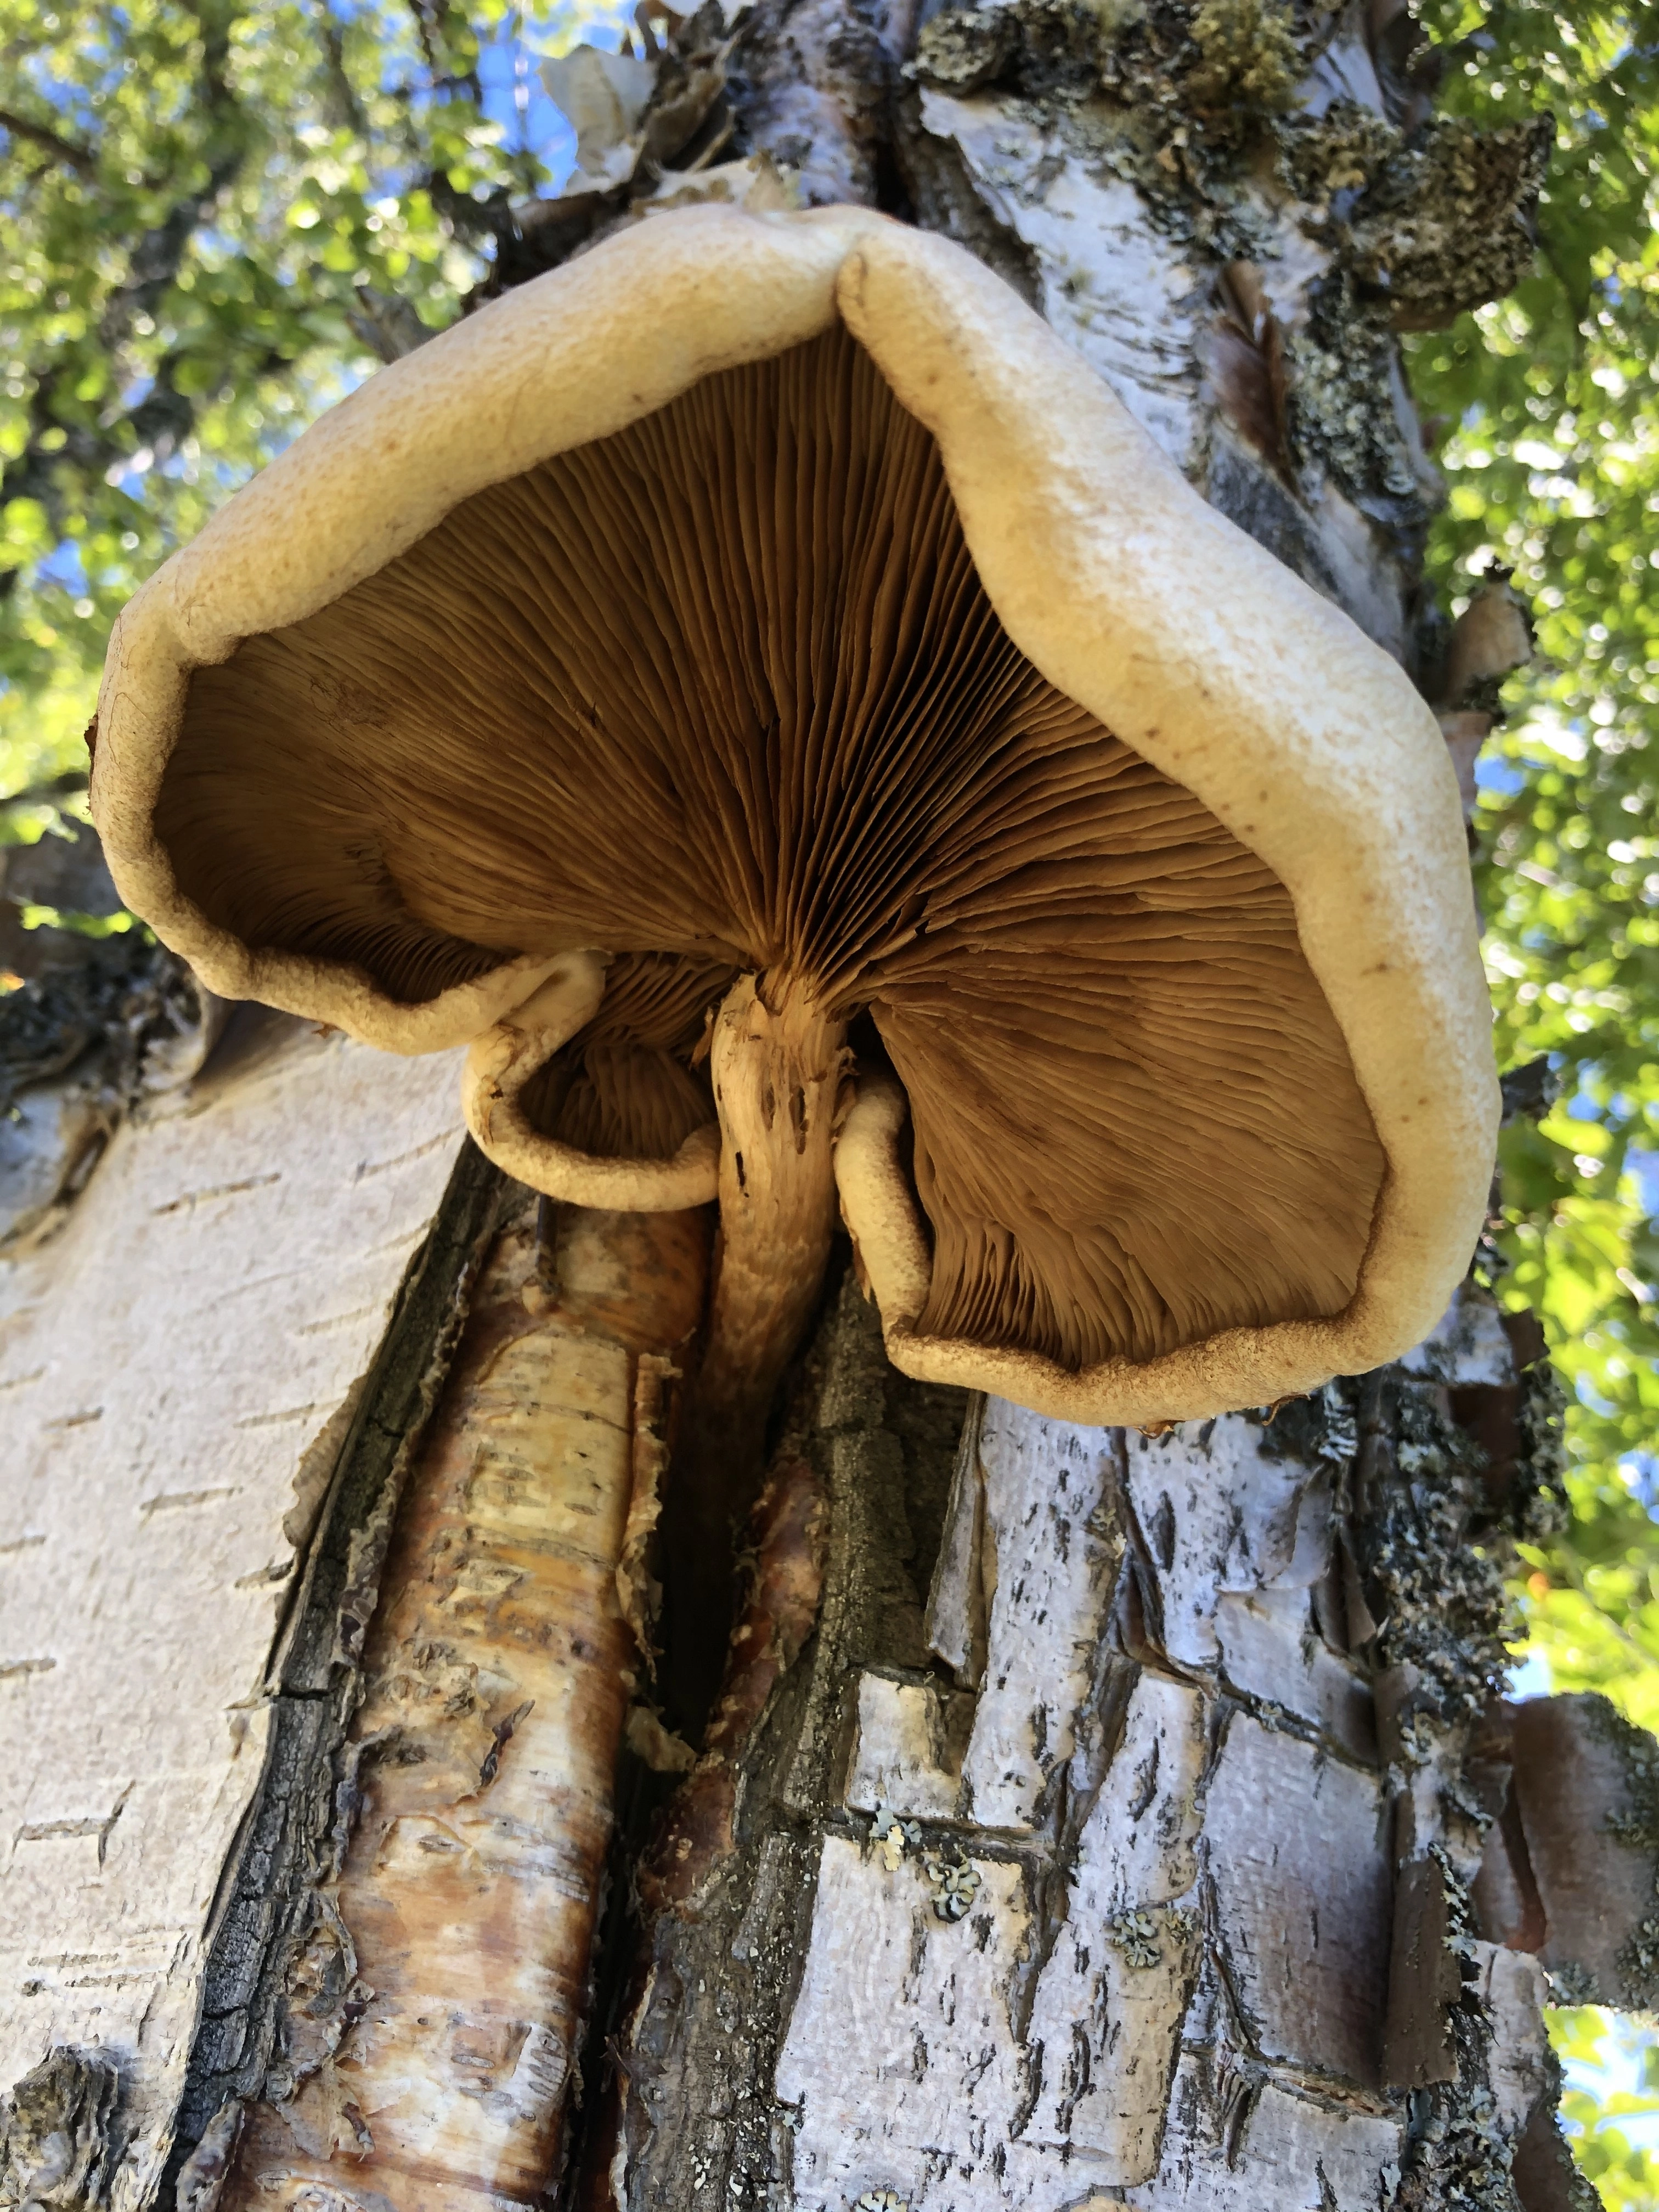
x,y
268,1912
430,2012
179,1367
1571,1869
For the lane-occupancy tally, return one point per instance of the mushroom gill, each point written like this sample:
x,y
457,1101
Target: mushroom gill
x,y
622,1088
721,695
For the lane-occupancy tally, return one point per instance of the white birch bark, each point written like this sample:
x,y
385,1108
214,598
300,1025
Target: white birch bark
x,y
1193,2012
176,1371
1118,1922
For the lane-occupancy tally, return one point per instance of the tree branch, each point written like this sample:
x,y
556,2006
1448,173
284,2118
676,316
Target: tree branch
x,y
81,158
342,93
165,415
430,28
162,420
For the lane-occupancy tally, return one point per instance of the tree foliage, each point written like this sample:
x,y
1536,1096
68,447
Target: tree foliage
x,y
214,217
1547,404
1611,2066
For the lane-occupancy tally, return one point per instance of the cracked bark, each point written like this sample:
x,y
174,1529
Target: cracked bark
x,y
1103,1878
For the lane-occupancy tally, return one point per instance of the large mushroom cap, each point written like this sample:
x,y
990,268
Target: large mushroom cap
x,y
778,596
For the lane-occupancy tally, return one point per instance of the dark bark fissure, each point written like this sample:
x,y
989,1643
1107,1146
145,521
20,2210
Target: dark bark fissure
x,y
691,2003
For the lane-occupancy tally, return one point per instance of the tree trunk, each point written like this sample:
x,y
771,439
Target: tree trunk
x,y
1090,1818
1101,1846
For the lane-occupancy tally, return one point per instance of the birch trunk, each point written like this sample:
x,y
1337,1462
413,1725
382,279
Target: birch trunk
x,y
1089,1819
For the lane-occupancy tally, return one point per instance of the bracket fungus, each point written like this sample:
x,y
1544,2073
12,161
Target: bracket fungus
x,y
759,689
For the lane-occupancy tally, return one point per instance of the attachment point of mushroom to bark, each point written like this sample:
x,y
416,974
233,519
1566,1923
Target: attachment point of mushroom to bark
x,y
778,1072
778,1068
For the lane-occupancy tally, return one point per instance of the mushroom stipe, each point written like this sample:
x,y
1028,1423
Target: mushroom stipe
x,y
759,685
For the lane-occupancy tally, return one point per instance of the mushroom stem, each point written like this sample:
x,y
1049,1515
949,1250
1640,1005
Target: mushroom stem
x,y
778,1068
777,1081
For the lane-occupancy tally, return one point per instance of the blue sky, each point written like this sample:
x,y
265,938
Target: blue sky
x,y
512,93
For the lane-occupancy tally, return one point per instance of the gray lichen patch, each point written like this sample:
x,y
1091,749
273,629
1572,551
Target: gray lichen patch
x,y
1043,49
955,1884
60,2136
1154,96
1135,1935
1430,223
1419,228
1461,2146
1165,96
1251,56
1326,162
1437,1590
1535,1507
1458,2158
1341,416
1319,1430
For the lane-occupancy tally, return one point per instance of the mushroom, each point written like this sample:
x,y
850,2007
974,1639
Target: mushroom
x,y
756,685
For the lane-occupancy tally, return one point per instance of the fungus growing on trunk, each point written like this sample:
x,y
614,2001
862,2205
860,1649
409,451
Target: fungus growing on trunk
x,y
757,684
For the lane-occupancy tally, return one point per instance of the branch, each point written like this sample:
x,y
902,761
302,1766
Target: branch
x,y
154,261
81,158
343,95
213,20
430,31
161,420
47,793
